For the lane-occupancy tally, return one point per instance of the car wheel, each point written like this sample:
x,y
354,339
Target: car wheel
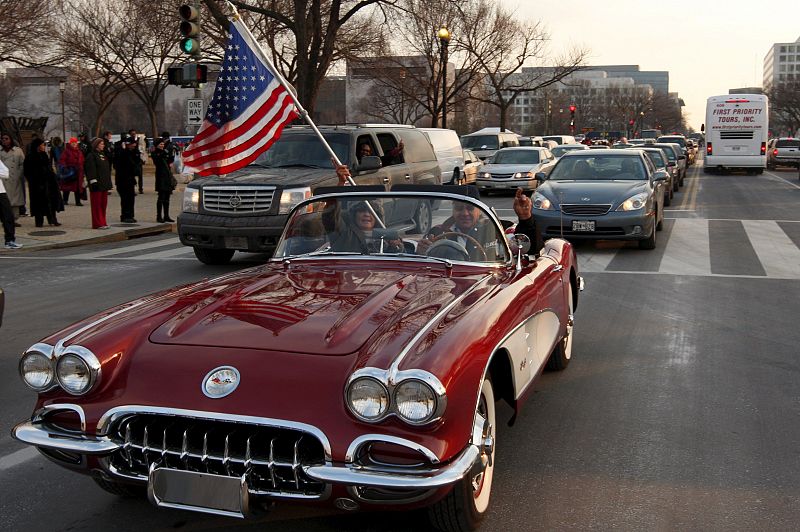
x,y
759,171
466,504
650,242
213,257
675,184
422,218
667,198
562,352
120,489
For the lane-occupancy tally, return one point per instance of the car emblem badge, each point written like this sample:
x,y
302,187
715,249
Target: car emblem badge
x,y
220,382
235,201
586,199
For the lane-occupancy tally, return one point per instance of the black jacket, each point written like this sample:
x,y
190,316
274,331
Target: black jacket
x,y
126,164
98,171
163,171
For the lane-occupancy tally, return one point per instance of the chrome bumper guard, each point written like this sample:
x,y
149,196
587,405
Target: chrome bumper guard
x,y
43,435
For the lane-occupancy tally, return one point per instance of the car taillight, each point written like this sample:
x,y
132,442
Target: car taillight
x,y
709,151
775,151
763,148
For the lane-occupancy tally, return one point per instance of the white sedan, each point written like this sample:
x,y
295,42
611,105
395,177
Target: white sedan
x,y
510,168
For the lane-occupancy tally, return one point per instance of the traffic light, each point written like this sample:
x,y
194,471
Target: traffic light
x,y
194,74
190,29
572,108
631,122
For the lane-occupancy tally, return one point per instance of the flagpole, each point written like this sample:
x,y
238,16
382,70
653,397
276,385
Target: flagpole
x,y
300,109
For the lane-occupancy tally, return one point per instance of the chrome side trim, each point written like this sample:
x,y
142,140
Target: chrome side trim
x,y
49,437
447,475
115,413
364,439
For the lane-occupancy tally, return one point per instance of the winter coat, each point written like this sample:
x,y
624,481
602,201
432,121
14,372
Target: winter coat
x,y
98,171
126,164
14,160
72,157
42,184
164,179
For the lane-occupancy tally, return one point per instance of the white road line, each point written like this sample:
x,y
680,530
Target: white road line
x,y
596,260
778,178
167,253
687,250
776,251
124,249
18,457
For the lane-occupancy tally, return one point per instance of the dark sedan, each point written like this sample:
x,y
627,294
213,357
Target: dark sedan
x,y
602,195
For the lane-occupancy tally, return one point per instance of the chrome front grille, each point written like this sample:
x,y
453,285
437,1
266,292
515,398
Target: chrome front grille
x,y
238,198
270,459
578,209
501,176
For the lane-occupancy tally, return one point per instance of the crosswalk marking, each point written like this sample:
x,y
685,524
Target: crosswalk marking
x,y
776,251
687,250
595,260
184,251
124,249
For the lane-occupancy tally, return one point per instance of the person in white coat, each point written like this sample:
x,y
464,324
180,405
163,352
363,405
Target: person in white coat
x,y
6,215
13,158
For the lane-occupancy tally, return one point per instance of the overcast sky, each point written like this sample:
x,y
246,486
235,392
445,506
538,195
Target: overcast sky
x,y
708,46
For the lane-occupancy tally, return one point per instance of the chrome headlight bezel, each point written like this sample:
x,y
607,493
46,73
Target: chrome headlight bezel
x,y
291,197
87,359
382,395
191,200
541,202
636,202
398,408
40,350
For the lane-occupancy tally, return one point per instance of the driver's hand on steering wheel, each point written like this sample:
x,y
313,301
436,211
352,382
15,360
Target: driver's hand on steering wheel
x,y
425,243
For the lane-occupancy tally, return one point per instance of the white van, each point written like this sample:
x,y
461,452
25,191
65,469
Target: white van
x,y
485,142
447,147
561,139
736,133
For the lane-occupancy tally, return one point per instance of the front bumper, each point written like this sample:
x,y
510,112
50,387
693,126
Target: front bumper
x,y
505,184
611,226
242,233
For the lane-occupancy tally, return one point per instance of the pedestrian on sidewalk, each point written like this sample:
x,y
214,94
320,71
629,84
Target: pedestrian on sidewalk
x,y
71,171
6,215
42,184
109,149
126,163
139,169
98,174
13,158
165,181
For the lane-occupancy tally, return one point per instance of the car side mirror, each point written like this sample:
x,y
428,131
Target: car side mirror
x,y
660,176
369,163
670,163
541,177
520,245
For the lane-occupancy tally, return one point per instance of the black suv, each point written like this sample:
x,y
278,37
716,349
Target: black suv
x,y
247,209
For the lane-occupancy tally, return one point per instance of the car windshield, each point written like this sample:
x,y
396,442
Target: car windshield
x,y
480,142
516,157
597,167
304,150
669,151
394,225
558,151
674,140
656,159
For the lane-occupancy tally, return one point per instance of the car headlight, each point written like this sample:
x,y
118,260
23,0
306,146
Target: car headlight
x,y
367,399
36,370
415,401
191,199
524,175
541,202
634,203
77,370
291,197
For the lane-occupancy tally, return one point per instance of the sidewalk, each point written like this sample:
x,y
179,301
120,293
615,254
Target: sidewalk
x,y
76,222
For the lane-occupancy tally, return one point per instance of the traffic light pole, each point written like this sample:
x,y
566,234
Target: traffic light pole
x,y
198,92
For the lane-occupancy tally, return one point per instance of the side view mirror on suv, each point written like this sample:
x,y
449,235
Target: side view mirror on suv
x,y
369,163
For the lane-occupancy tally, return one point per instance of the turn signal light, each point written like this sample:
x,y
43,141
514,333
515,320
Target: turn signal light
x,y
763,148
709,151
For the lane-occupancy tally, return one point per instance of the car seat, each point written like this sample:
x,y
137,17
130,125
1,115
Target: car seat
x,y
582,170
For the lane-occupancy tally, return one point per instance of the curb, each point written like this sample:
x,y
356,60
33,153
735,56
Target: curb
x,y
127,234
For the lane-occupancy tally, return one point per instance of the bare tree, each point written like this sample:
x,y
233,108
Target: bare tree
x,y
502,45
20,22
308,37
784,102
393,98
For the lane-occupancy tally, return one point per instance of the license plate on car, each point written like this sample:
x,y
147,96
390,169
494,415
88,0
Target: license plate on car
x,y
583,225
736,148
236,242
201,492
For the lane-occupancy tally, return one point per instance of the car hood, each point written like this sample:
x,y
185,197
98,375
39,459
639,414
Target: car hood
x,y
596,191
274,176
509,168
301,309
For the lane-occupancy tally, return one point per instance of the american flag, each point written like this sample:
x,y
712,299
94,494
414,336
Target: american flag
x,y
249,110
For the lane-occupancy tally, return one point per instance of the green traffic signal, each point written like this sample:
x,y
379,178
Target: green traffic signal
x,y
190,46
189,29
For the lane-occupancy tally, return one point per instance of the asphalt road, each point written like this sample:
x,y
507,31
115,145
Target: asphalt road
x,y
680,410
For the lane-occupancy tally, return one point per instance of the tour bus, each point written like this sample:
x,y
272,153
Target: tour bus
x,y
651,133
736,133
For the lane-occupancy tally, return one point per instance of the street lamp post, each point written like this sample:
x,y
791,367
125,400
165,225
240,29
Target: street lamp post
x,y
444,40
641,122
62,86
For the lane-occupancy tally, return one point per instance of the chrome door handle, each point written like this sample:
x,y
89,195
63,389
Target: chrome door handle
x,y
408,177
385,180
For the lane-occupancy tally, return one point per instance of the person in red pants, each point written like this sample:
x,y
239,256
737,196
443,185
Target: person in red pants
x,y
98,175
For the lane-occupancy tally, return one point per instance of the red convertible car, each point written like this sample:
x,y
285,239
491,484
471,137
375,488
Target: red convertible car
x,y
358,368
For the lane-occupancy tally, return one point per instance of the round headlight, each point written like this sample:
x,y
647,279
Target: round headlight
x,y
415,401
73,374
36,370
367,398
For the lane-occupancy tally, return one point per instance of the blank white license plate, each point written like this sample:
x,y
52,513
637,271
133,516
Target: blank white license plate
x,y
200,492
236,242
736,148
583,225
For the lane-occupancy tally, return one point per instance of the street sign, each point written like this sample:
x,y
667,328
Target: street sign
x,y
194,111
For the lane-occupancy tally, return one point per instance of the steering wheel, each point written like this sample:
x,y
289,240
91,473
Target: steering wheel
x,y
468,237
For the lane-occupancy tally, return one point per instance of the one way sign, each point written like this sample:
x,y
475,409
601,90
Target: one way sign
x,y
194,111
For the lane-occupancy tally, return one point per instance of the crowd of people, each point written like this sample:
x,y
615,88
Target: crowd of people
x,y
80,169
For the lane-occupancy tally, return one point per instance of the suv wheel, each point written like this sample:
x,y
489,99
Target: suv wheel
x,y
422,218
213,257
